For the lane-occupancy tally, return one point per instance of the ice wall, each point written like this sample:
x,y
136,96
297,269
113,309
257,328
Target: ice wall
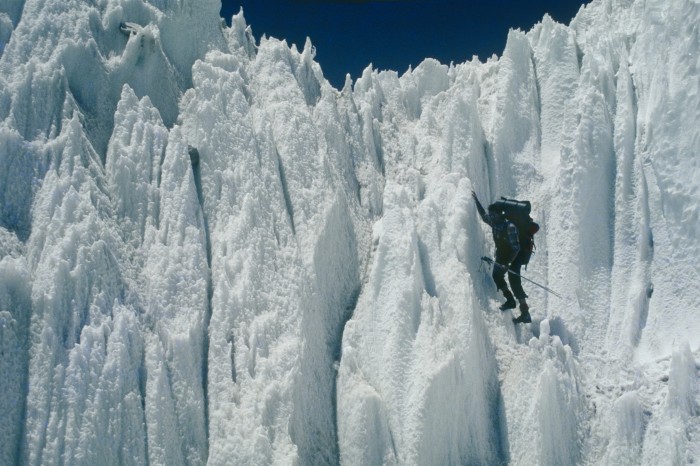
x,y
209,255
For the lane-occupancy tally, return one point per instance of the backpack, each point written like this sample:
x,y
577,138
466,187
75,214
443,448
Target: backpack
x,y
518,213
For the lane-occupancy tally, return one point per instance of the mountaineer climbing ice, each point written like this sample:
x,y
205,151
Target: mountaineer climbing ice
x,y
513,231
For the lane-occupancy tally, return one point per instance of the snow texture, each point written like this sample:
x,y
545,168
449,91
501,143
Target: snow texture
x,y
208,255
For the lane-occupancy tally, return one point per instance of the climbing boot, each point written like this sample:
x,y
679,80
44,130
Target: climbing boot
x,y
510,301
524,314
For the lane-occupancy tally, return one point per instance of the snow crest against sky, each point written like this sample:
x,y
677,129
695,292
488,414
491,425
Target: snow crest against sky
x,y
395,34
209,255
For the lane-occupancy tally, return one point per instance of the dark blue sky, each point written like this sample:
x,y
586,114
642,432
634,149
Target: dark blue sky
x,y
393,34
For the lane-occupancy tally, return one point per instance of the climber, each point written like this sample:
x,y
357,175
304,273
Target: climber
x,y
510,256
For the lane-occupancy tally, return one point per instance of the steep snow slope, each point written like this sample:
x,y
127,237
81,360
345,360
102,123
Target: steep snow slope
x,y
209,255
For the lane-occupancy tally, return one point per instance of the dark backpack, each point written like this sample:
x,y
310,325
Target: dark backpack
x,y
518,213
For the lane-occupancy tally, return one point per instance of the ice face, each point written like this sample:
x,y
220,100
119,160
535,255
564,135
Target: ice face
x,y
209,255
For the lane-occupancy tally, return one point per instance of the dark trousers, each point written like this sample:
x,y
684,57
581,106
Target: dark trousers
x,y
499,274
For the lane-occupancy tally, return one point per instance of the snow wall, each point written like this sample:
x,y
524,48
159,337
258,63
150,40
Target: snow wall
x,y
209,255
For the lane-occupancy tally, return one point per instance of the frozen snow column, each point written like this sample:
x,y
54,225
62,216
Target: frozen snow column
x,y
628,429
133,165
176,274
160,216
15,313
6,29
253,332
377,345
631,288
671,433
416,383
557,69
560,407
275,173
668,143
514,131
86,347
334,243
545,406
581,221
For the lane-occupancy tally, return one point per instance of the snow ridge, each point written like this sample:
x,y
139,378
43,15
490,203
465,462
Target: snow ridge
x,y
209,255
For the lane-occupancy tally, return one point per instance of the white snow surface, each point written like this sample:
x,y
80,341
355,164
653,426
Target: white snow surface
x,y
208,255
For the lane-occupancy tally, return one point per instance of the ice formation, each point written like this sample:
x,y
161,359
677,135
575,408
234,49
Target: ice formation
x,y
208,255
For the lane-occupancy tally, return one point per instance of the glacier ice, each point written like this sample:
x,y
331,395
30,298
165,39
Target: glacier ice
x,y
208,255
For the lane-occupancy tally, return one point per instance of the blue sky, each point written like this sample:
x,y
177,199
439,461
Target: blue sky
x,y
393,34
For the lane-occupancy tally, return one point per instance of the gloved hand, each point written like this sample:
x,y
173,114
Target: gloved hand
x,y
501,266
479,207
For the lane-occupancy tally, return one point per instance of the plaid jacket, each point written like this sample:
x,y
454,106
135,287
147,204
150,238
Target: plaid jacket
x,y
505,235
